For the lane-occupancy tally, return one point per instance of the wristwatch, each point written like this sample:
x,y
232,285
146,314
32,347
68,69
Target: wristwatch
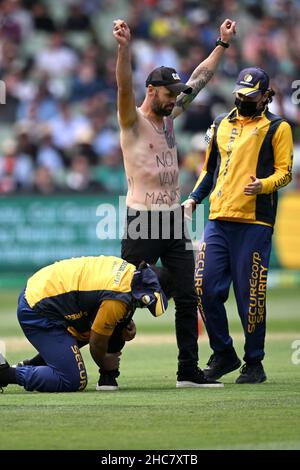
x,y
219,42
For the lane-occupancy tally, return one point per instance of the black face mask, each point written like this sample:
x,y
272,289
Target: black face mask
x,y
246,108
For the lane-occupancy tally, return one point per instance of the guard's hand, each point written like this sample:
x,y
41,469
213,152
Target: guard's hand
x,y
227,30
189,207
121,32
253,188
129,332
111,361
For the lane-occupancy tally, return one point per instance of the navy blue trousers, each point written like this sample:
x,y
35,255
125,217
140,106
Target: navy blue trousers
x,y
64,370
234,253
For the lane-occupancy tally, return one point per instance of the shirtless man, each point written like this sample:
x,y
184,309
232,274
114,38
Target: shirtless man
x,y
153,198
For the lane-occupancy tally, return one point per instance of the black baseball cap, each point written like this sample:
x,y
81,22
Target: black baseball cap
x,y
168,77
252,81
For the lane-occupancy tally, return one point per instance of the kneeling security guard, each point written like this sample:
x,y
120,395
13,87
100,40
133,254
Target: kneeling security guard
x,y
81,301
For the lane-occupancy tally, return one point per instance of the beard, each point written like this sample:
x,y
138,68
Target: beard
x,y
159,109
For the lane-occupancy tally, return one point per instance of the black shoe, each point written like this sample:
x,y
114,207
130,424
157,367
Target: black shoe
x,y
220,364
252,374
25,362
34,361
107,381
197,379
3,366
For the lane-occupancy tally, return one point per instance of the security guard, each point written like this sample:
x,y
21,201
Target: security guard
x,y
78,301
248,159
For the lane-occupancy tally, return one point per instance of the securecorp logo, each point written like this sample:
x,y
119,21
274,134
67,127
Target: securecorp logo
x,y
81,367
257,288
199,277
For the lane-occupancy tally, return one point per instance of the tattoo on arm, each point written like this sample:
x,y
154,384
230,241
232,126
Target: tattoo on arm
x,y
200,77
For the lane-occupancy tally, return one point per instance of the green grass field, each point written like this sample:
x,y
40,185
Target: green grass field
x,y
148,412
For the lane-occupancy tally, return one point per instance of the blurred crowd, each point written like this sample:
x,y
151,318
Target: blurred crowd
x,y
58,126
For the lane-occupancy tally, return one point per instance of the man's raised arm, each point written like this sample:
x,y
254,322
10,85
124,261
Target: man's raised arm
x,y
126,100
204,72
